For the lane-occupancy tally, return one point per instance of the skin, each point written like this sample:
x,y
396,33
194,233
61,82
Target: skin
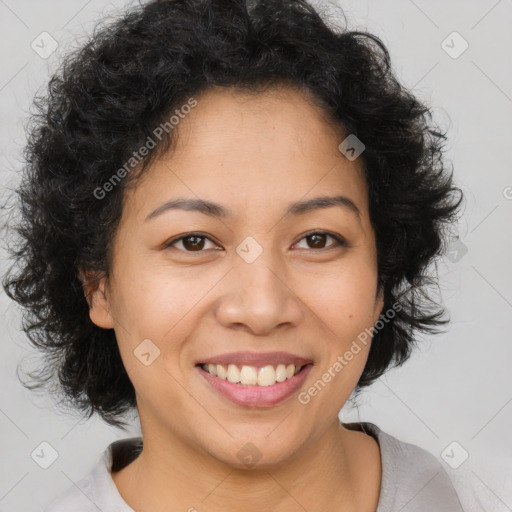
x,y
253,154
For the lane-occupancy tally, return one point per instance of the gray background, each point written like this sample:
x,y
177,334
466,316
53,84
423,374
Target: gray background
x,y
457,387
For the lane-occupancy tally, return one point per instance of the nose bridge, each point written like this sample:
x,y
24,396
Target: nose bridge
x,y
257,275
261,278
258,294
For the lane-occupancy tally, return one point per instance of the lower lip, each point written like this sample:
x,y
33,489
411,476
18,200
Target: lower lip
x,y
256,396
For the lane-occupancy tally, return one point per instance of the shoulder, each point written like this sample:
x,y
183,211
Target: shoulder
x,y
81,497
97,491
413,480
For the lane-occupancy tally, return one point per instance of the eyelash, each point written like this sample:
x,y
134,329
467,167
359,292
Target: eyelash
x,y
340,242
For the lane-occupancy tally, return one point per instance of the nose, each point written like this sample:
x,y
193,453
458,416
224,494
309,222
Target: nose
x,y
259,299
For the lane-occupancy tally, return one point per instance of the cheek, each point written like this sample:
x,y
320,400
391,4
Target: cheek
x,y
153,323
164,306
151,299
344,300
344,304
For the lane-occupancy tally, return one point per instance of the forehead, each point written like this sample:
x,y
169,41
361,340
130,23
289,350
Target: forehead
x,y
280,114
250,150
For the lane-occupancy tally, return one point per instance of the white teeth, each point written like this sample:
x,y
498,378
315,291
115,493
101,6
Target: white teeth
x,y
221,370
266,376
233,374
248,375
252,375
280,373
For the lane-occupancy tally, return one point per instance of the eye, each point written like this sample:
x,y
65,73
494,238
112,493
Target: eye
x,y
191,242
318,239
195,242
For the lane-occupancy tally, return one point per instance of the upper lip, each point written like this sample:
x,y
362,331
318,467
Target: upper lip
x,y
256,359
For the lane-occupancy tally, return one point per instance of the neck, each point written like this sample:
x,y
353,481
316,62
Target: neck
x,y
169,475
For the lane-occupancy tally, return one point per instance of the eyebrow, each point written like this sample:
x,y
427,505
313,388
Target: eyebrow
x,y
217,211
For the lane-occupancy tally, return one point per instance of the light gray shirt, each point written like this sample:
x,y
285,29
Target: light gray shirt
x,y
413,480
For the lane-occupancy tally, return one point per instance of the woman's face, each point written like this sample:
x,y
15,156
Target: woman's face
x,y
255,280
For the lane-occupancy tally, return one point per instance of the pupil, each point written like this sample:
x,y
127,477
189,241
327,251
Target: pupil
x,y
316,237
193,245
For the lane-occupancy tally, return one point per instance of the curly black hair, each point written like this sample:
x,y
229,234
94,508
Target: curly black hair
x,y
106,99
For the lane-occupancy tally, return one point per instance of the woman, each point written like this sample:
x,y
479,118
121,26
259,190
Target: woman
x,y
229,209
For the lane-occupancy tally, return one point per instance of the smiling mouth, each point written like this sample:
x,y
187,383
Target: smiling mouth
x,y
266,391
254,376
